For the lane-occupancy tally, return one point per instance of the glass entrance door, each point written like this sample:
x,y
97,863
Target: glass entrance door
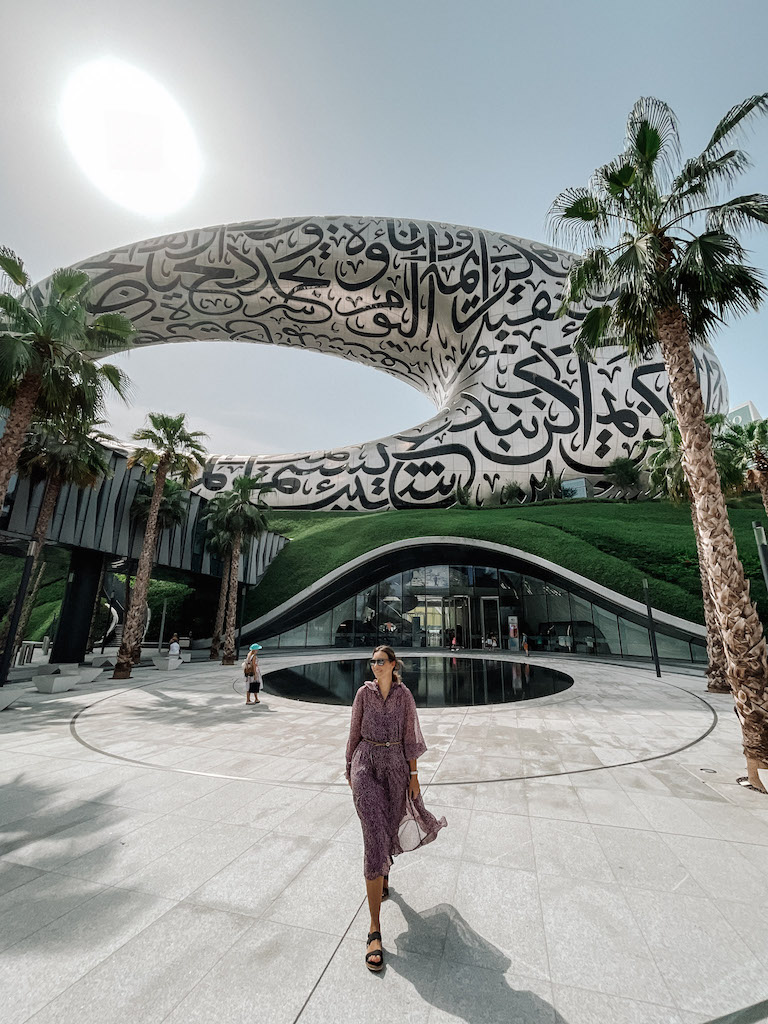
x,y
489,607
456,621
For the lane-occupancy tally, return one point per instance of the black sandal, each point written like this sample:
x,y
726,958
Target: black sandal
x,y
385,888
372,936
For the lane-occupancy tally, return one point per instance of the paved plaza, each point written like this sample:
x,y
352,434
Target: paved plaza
x,y
169,854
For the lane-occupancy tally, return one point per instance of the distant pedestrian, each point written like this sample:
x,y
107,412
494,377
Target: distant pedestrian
x,y
252,674
174,647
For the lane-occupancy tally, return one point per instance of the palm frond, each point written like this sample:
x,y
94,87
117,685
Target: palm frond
x,y
736,119
13,268
577,214
110,330
701,178
68,283
739,213
17,358
17,316
636,265
652,135
586,277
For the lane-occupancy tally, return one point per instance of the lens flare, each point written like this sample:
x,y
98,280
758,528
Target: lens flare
x,y
130,137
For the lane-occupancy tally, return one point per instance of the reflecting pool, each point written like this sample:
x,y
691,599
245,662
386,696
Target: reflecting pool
x,y
435,682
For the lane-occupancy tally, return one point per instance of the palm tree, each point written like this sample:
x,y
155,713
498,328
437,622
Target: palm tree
x,y
670,288
67,450
46,342
624,474
167,448
667,477
219,543
750,440
242,520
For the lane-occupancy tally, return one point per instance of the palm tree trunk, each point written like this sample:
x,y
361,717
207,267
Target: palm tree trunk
x,y
134,619
16,426
219,623
229,635
740,627
29,604
44,516
762,483
717,674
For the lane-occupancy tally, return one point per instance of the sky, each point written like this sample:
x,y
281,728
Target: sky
x,y
468,113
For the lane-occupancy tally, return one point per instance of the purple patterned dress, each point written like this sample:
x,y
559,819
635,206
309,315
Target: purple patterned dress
x,y
392,822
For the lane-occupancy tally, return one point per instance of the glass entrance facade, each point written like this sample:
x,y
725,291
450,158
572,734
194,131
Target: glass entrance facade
x,y
473,607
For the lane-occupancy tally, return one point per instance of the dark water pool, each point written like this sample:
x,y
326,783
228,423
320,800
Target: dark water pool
x,y
435,682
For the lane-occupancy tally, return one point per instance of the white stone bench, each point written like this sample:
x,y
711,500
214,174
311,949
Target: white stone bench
x,y
84,675
7,697
164,663
56,684
103,661
186,657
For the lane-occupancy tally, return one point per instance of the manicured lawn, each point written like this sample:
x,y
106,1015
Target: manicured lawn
x,y
612,543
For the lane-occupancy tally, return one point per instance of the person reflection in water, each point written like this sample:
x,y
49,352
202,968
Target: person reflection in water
x,y
385,742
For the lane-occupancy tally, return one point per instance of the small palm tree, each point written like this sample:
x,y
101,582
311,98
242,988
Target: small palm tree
x,y
667,477
166,449
624,474
45,345
242,515
671,284
750,441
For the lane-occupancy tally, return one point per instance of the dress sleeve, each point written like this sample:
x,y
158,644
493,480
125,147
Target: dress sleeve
x,y
355,729
413,741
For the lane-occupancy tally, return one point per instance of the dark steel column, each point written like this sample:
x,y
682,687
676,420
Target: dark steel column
x,y
77,607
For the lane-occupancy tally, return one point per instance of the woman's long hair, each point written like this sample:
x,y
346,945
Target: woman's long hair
x,y
397,671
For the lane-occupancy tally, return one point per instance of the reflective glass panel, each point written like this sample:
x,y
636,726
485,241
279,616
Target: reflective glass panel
x,y
296,637
365,618
635,640
583,628
319,631
343,623
606,631
672,648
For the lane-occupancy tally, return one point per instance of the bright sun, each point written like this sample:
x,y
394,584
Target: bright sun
x,y
130,137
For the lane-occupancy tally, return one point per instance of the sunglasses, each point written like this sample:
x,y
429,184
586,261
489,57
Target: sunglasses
x,y
379,662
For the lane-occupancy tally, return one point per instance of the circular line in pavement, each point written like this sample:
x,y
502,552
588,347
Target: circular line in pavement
x,y
315,786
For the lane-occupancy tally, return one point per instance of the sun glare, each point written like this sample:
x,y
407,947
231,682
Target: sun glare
x,y
130,137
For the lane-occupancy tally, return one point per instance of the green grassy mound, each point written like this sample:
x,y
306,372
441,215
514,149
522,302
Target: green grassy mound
x,y
611,543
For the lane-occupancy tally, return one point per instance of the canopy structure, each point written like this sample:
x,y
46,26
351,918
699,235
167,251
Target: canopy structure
x,y
468,317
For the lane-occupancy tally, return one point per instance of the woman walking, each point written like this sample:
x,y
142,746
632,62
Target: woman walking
x,y
252,674
384,744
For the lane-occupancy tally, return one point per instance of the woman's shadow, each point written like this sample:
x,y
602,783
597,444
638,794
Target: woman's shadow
x,y
474,994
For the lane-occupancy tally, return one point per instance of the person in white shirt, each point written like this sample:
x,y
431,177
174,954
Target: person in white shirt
x,y
174,648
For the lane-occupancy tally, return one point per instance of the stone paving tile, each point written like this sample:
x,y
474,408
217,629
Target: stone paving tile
x,y
569,849
30,907
721,869
642,859
148,976
42,966
110,863
266,975
485,996
580,1006
185,868
251,883
593,942
402,992
689,936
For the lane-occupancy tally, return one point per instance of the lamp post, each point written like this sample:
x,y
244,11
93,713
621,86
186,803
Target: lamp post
x,y
7,655
651,629
762,549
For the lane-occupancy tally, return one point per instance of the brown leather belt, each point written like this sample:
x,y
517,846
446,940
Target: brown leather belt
x,y
389,743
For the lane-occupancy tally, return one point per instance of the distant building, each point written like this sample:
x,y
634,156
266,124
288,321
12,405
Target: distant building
x,y
745,413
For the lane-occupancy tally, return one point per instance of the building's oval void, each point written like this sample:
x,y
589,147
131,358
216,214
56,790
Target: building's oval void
x,y
466,316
